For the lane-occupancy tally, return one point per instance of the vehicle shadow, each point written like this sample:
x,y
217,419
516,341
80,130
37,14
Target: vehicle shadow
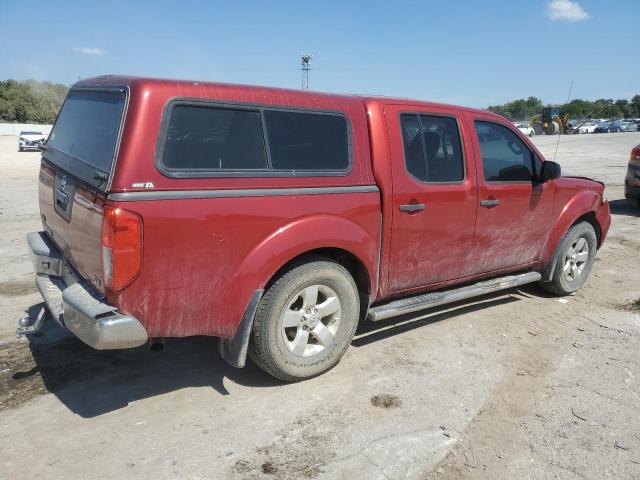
x,y
624,207
91,382
369,332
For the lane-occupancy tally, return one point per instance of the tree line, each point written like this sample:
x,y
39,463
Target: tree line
x,y
525,109
30,101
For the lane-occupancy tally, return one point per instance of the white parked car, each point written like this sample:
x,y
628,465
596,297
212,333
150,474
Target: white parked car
x,y
589,127
526,129
30,140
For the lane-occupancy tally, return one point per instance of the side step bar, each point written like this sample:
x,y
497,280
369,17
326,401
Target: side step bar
x,y
433,299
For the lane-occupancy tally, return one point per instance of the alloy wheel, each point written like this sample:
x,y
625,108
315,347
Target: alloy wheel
x,y
575,259
311,320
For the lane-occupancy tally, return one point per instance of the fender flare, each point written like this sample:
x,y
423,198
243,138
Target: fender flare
x,y
582,203
309,233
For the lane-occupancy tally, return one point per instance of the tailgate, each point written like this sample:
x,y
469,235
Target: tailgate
x,y
71,215
77,163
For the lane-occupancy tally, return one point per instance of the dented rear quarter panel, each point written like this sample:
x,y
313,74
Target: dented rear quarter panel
x,y
203,258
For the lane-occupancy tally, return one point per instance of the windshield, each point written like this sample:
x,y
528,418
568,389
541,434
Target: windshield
x,y
87,130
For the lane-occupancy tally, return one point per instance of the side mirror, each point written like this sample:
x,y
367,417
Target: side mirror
x,y
550,171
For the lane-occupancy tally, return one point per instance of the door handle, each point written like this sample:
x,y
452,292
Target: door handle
x,y
412,207
489,203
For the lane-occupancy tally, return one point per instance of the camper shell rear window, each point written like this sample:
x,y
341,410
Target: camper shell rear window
x,y
85,136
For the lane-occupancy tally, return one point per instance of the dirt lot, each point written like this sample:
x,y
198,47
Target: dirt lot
x,y
515,385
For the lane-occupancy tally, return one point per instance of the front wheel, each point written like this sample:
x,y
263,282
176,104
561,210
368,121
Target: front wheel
x,y
575,256
305,321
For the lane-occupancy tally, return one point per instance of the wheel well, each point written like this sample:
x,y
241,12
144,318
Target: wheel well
x,y
348,260
590,217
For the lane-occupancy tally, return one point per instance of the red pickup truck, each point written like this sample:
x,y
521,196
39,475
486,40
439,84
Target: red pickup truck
x,y
277,220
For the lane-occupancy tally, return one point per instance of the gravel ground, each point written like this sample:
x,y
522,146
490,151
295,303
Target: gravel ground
x,y
514,385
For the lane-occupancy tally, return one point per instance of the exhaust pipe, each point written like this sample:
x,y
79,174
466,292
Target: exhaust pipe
x,y
156,344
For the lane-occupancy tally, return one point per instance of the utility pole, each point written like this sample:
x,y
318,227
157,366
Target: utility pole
x,y
305,67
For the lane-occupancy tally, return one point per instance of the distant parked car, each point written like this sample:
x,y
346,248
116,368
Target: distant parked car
x,y
586,127
616,126
603,127
29,140
632,180
526,129
628,127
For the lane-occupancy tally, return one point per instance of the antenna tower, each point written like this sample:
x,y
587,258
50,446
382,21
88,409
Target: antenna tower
x,y
305,66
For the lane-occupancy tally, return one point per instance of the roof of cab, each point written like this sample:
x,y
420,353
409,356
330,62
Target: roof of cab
x,y
287,96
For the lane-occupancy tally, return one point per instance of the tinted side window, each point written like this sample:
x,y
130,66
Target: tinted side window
x,y
307,141
432,148
212,138
505,158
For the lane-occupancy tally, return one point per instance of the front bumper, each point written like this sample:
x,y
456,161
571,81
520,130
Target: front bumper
x,y
632,181
75,305
30,145
631,192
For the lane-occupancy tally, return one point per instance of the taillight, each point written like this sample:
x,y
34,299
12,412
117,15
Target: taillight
x,y
635,156
121,247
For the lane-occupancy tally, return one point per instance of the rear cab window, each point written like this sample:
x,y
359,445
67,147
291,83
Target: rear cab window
x,y
85,136
207,140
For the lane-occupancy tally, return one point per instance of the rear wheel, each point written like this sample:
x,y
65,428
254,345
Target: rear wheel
x,y
575,256
305,321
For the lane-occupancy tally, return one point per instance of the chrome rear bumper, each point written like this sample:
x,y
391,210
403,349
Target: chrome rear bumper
x,y
75,305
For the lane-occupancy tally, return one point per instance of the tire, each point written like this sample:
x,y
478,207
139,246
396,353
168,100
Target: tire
x,y
552,128
570,272
312,343
531,133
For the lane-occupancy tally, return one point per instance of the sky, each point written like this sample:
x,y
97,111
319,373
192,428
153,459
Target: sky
x,y
475,52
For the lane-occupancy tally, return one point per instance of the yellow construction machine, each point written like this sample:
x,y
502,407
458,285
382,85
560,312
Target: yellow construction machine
x,y
550,121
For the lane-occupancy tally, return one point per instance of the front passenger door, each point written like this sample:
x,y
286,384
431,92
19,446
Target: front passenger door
x,y
514,209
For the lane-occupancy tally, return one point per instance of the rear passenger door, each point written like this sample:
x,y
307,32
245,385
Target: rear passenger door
x,y
434,196
514,210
